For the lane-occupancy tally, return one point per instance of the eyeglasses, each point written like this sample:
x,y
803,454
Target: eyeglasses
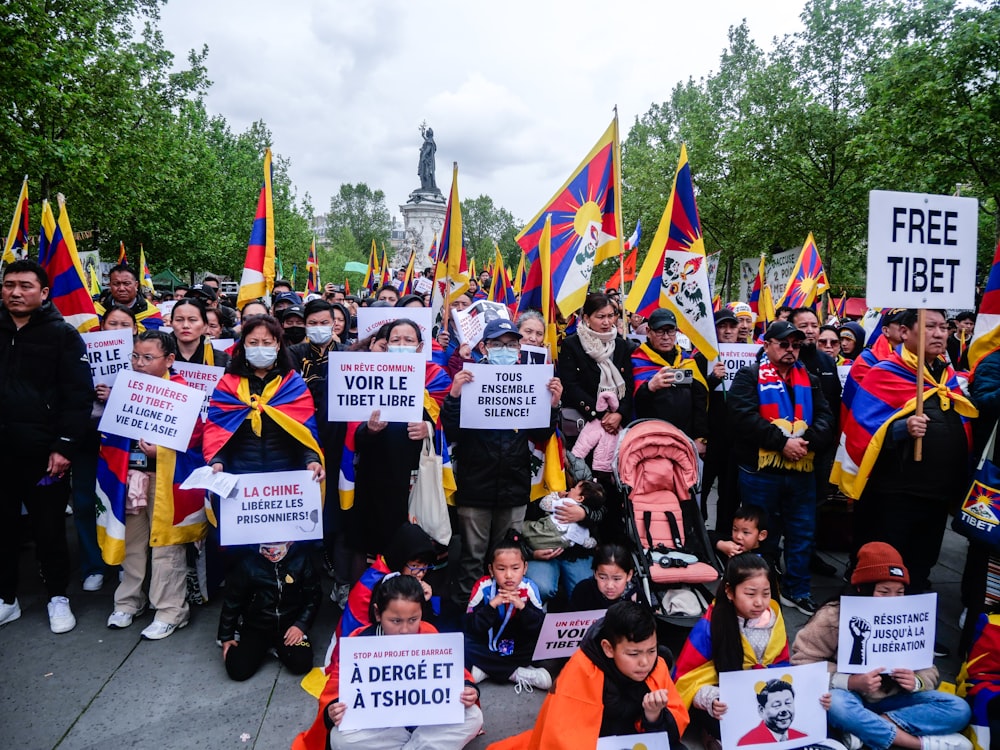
x,y
509,347
419,568
829,342
796,345
147,358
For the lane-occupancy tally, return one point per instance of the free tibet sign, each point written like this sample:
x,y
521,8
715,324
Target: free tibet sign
x,y
921,250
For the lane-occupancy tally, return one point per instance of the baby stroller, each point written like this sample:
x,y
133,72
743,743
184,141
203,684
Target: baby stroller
x,y
656,469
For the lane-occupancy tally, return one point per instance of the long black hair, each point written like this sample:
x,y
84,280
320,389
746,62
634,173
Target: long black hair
x,y
727,643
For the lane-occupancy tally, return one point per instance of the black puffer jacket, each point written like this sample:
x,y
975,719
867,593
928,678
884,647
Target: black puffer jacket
x,y
270,597
46,390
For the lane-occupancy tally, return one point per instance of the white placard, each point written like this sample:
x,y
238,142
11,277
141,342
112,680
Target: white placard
x,y
360,382
202,377
222,345
734,357
143,407
842,372
639,338
108,352
777,271
645,741
402,680
887,632
471,322
534,355
791,706
506,397
562,632
921,250
219,482
422,285
370,319
166,307
278,506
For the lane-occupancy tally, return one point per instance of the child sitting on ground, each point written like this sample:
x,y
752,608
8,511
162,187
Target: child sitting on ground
x,y
616,684
611,582
550,533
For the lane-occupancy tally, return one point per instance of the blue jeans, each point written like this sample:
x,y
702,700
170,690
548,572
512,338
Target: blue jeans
x,y
790,501
84,481
924,713
546,575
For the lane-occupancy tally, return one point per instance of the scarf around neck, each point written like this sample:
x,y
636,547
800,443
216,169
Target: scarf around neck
x,y
793,419
600,347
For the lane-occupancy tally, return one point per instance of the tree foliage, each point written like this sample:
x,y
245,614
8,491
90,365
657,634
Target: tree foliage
x,y
358,215
484,223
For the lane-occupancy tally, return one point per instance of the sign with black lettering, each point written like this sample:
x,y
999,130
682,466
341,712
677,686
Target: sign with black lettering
x,y
202,377
507,397
278,506
921,250
143,407
108,352
370,319
361,382
402,680
562,632
886,632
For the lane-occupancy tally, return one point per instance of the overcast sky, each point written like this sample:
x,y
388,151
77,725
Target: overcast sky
x,y
516,92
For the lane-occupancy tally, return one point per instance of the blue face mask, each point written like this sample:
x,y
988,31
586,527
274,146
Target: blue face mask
x,y
502,356
400,349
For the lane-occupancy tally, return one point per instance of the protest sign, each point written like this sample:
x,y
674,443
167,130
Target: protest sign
x,y
360,382
471,322
645,741
370,319
222,345
202,377
734,357
143,407
166,308
921,250
842,372
887,632
774,708
506,397
108,352
639,338
277,506
402,680
777,271
562,632
422,285
534,355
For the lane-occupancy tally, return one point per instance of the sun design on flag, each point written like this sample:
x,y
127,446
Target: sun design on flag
x,y
981,503
588,213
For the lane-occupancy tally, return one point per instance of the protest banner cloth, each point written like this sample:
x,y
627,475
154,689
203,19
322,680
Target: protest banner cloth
x,y
143,407
533,355
471,322
790,714
734,357
360,382
202,377
506,397
370,319
887,632
562,632
402,680
276,506
645,741
108,352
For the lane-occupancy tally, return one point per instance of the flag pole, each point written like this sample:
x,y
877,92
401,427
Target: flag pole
x,y
617,157
918,443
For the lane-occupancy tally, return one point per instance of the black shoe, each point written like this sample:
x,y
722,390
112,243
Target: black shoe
x,y
821,567
941,650
803,604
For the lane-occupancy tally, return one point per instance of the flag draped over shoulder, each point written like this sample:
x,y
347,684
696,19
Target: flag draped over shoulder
x,y
586,227
67,285
312,269
986,336
887,393
646,363
258,268
675,272
808,279
16,245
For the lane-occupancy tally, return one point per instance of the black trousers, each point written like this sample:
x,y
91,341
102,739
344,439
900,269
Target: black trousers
x,y
244,659
46,505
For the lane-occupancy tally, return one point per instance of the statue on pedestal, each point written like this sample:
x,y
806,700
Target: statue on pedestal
x,y
426,166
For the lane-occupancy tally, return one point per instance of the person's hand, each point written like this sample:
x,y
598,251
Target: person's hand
x,y
611,422
825,701
428,591
469,696
317,470
517,599
701,446
653,704
443,338
795,449
905,679
58,464
662,379
546,554
336,712
416,430
917,426
497,600
719,370
226,645
148,449
868,682
718,709
729,549
555,387
216,468
465,351
461,378
570,513
103,391
294,636
374,422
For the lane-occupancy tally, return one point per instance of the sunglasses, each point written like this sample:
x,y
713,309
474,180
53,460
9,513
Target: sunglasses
x,y
796,345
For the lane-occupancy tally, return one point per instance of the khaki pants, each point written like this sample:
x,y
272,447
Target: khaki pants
x,y
168,579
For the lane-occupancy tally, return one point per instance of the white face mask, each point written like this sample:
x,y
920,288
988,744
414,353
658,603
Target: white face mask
x,y
319,334
401,349
261,357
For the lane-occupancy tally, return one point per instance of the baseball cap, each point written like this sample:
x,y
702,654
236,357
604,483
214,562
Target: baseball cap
x,y
497,328
290,311
895,315
205,292
287,297
661,319
782,329
723,315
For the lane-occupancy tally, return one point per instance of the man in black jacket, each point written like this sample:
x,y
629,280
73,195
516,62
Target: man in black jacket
x,y
782,421
46,394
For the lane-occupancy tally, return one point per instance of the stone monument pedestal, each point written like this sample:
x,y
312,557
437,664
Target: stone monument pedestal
x,y
423,215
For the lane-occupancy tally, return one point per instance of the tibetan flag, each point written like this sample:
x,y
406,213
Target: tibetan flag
x,y
408,276
451,275
520,277
501,289
347,286
808,279
716,303
548,466
122,260
433,252
67,285
147,278
95,286
373,273
386,277
551,338
986,336
112,486
586,227
295,274
258,268
675,273
312,269
16,245
473,274
841,306
755,290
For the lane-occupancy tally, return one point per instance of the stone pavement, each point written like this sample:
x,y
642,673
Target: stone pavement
x,y
100,688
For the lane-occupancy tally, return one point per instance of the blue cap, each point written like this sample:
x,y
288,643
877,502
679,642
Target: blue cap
x,y
497,328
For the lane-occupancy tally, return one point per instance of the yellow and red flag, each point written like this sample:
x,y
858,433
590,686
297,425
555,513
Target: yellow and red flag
x,y
258,268
16,245
808,279
312,269
58,256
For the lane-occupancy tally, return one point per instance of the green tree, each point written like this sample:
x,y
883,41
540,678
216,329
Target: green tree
x,y
363,213
483,223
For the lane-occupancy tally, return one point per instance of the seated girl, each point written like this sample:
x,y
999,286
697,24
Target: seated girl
x,y
611,582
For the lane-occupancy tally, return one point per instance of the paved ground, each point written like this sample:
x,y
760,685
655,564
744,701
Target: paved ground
x,y
98,688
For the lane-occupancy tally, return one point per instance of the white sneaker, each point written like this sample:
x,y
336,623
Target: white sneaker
x,y
526,678
852,741
61,618
93,582
119,620
478,675
945,742
158,630
9,612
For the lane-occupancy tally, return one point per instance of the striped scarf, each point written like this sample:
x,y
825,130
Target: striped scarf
x,y
792,417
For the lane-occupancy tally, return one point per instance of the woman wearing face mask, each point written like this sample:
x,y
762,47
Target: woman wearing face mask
x,y
384,454
191,328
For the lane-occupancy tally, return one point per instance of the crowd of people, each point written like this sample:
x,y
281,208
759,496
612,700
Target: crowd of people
x,y
777,439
